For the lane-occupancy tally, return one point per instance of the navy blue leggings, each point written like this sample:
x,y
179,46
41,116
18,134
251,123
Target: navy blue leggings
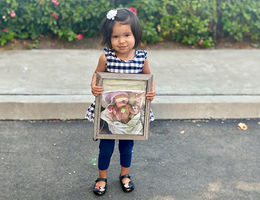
x,y
106,149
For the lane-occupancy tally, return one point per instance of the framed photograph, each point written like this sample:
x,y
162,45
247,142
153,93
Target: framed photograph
x,y
122,110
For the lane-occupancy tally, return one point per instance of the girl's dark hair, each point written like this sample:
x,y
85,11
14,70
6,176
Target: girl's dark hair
x,y
124,16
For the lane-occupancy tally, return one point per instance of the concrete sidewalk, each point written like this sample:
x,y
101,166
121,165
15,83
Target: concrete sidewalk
x,y
55,84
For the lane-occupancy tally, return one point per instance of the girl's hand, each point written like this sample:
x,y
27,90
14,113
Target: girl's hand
x,y
97,90
150,95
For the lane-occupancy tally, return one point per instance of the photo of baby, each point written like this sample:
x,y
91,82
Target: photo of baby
x,y
123,112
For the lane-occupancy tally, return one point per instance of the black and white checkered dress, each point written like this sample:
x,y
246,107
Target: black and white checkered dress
x,y
116,65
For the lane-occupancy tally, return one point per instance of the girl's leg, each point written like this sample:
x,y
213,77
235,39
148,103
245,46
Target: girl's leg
x,y
125,149
106,149
124,170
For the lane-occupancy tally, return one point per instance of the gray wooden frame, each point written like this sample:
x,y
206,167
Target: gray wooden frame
x,y
118,76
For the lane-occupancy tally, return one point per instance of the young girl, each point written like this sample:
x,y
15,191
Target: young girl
x,y
121,32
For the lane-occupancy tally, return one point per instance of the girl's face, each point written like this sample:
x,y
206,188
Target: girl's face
x,y
122,38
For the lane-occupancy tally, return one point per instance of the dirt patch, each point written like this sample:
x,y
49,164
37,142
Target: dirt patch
x,y
52,42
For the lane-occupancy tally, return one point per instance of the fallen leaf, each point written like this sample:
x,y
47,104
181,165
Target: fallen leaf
x,y
242,126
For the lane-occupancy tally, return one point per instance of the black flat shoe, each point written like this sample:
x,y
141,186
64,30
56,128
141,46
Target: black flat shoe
x,y
100,190
128,187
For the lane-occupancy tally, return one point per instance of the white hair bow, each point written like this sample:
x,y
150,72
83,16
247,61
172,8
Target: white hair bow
x,y
111,14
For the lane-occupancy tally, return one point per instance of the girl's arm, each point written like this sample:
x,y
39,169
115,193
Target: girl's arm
x,y
146,70
101,67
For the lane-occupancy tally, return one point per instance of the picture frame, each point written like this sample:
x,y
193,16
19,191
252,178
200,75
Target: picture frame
x,y
122,110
